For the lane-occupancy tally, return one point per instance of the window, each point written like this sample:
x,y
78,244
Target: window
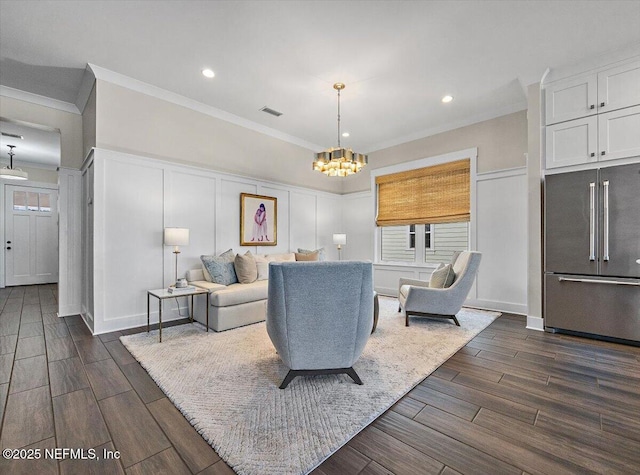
x,y
440,241
411,236
428,237
424,213
31,201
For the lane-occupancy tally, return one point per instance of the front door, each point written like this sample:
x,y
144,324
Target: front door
x,y
31,235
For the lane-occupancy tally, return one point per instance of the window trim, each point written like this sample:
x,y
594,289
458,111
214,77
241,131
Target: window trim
x,y
470,153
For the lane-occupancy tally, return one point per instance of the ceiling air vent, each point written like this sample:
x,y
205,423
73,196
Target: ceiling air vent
x,y
271,111
15,136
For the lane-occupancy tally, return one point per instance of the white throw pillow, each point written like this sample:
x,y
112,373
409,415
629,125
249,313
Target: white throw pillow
x,y
263,267
442,278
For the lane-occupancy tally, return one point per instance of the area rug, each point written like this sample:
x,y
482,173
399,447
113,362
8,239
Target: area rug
x,y
226,385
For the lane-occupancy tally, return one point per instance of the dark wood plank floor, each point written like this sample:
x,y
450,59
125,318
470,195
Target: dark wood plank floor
x,y
511,401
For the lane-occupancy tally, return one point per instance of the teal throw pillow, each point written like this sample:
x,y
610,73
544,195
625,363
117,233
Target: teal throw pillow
x,y
221,268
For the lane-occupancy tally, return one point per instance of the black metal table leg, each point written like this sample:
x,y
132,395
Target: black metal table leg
x,y
160,318
148,297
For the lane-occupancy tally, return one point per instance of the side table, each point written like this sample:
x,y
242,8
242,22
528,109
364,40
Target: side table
x,y
162,294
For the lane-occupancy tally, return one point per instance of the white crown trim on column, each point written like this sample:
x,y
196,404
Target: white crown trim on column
x,y
38,99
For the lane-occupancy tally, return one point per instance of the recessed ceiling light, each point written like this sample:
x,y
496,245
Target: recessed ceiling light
x,y
208,73
345,134
446,99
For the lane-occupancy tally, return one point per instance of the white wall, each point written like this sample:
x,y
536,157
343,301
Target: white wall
x,y
136,197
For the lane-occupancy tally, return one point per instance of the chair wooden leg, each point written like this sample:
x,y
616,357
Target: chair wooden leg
x,y
455,320
406,319
399,308
352,373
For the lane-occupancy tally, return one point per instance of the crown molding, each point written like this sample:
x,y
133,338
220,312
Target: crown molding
x,y
520,106
159,93
38,99
86,86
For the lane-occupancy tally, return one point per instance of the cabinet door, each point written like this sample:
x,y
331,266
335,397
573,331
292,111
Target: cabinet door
x,y
620,221
572,143
619,134
571,99
570,228
619,87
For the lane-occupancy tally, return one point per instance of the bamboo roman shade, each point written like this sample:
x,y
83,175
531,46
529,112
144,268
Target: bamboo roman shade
x,y
431,195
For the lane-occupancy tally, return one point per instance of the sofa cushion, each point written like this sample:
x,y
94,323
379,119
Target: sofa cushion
x,y
210,286
262,267
307,256
236,294
442,278
221,268
321,253
246,268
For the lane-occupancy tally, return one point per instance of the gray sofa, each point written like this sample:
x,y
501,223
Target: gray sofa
x,y
320,315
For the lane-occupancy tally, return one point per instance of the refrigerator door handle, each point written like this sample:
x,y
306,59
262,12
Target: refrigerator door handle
x,y
598,281
592,221
605,252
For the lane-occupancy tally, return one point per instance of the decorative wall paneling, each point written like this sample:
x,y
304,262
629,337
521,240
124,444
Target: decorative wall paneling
x,y
136,197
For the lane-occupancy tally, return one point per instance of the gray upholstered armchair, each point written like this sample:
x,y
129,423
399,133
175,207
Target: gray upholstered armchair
x,y
418,299
319,315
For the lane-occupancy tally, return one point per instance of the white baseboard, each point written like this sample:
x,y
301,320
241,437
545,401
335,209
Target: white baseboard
x,y
69,310
535,323
509,307
133,321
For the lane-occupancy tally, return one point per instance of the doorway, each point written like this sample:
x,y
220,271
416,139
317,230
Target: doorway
x,y
29,208
31,235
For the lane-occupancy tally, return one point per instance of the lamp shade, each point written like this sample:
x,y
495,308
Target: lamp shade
x,y
176,236
339,238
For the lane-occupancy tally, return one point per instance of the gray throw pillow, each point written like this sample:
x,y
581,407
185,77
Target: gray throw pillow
x,y
246,268
221,268
442,278
321,255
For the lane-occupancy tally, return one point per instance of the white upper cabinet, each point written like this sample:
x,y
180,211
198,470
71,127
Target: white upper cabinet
x,y
572,143
619,87
571,99
593,117
619,134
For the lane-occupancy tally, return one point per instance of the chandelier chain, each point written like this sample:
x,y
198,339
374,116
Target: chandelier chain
x,y
338,118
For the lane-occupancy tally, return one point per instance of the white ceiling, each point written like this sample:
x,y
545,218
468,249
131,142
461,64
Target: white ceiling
x,y
397,58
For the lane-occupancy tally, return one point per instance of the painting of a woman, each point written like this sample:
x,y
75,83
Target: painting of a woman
x,y
260,224
258,220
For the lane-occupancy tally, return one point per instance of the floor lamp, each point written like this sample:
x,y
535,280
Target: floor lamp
x,y
340,240
177,237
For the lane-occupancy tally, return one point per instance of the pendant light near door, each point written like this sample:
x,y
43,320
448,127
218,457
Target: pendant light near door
x,y
10,173
339,161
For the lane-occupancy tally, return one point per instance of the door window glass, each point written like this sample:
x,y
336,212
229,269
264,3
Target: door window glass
x,y
19,201
45,202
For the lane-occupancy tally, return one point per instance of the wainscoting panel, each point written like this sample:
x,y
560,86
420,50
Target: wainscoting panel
x,y
189,202
70,270
131,248
358,215
303,218
330,222
502,238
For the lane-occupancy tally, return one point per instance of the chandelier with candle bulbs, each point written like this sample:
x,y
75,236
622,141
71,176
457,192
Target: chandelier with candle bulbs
x,y
339,161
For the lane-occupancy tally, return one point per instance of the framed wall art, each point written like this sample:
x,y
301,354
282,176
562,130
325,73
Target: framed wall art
x,y
258,220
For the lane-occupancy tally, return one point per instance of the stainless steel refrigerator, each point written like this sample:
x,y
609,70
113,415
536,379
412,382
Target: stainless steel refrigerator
x,y
592,252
